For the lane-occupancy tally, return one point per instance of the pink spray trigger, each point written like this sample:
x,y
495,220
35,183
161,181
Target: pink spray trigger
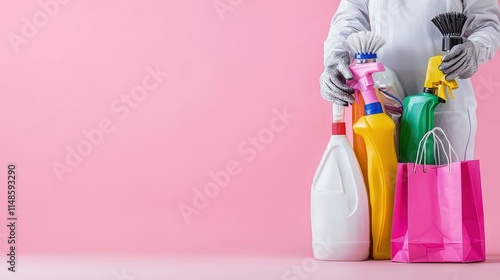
x,y
352,84
363,80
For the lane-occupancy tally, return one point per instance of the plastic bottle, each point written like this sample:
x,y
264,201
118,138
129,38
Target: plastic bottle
x,y
392,96
418,119
418,113
377,130
339,203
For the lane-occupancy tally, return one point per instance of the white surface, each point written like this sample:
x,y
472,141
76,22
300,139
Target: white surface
x,y
240,268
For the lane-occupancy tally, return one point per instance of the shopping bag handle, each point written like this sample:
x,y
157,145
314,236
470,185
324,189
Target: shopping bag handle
x,y
422,152
450,147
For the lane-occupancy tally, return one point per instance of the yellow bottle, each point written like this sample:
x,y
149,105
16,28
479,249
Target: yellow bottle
x,y
377,131
358,144
358,111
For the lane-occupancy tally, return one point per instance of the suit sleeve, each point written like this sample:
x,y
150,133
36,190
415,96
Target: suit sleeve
x,y
483,27
351,17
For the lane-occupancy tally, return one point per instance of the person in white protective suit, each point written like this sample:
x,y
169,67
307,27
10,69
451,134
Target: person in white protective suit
x,y
411,40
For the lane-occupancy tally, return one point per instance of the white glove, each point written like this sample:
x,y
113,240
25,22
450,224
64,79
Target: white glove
x,y
460,62
333,79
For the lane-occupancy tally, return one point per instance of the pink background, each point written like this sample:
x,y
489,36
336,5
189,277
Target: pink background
x,y
227,75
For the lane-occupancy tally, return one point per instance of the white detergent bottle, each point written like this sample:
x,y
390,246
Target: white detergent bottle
x,y
339,202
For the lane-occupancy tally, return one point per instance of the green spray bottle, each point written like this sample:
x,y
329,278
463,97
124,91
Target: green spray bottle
x,y
418,110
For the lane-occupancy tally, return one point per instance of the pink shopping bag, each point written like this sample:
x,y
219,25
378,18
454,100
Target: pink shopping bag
x,y
438,213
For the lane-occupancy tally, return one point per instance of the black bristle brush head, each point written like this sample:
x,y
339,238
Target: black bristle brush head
x,y
451,25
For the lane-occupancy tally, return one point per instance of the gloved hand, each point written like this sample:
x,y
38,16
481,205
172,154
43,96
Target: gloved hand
x,y
332,81
460,62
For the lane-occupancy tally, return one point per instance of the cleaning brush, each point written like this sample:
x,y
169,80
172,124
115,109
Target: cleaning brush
x,y
451,25
365,44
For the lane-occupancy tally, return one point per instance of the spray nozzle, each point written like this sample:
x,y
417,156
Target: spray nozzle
x,y
436,80
445,88
365,45
363,80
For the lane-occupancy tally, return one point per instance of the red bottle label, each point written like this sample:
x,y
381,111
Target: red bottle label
x,y
338,128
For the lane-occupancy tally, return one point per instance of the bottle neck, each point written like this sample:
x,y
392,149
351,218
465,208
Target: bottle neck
x,y
363,61
433,92
430,90
373,109
338,128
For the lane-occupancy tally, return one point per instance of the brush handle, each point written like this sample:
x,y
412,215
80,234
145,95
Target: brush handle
x,y
450,41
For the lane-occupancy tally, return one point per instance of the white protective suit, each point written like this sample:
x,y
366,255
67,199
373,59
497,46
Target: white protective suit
x,y
412,39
